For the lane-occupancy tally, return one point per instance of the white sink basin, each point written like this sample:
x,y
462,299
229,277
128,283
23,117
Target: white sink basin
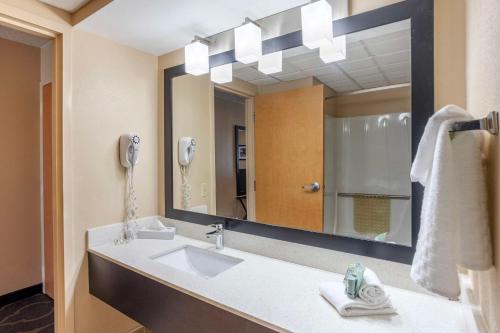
x,y
196,261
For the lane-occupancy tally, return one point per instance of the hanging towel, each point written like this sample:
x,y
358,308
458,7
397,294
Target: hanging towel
x,y
372,291
334,293
454,218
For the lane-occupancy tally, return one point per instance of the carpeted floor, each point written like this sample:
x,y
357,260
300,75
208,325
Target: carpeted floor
x,y
32,314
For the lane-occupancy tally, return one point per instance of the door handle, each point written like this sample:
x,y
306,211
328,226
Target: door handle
x,y
314,187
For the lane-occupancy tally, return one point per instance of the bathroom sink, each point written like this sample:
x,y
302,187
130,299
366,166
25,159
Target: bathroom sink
x,y
197,261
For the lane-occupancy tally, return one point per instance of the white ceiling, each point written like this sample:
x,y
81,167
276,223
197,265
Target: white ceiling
x,y
67,5
376,57
161,26
22,37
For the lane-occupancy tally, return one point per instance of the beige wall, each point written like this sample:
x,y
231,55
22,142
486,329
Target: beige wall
x,y
193,116
483,95
20,238
114,92
375,101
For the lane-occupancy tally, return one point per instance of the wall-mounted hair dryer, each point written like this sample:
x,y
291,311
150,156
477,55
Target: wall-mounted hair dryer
x,y
187,148
129,149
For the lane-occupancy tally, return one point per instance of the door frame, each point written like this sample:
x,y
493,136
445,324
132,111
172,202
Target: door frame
x,y
20,21
421,14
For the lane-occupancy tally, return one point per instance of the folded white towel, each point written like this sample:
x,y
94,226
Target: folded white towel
x,y
372,291
334,292
454,219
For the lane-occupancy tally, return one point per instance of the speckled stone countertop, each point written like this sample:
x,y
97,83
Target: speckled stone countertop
x,y
279,294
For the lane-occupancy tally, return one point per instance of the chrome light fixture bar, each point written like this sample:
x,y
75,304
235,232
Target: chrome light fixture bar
x,y
196,56
248,42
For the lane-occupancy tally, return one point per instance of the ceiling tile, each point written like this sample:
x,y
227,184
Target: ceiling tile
x,y
336,76
356,64
290,76
356,53
263,82
363,72
393,58
375,84
367,79
389,46
249,74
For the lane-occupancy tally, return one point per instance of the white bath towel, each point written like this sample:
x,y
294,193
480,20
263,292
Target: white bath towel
x,y
372,291
334,293
454,218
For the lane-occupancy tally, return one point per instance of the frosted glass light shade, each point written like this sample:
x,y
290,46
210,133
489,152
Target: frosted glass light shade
x,y
222,74
335,51
248,43
271,63
196,58
316,24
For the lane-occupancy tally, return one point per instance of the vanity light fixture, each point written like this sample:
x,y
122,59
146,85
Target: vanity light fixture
x,y
334,51
196,56
317,20
248,42
271,63
222,74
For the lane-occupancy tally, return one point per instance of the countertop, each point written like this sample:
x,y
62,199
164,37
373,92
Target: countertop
x,y
284,295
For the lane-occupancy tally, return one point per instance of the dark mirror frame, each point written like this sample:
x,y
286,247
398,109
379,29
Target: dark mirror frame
x,y
422,91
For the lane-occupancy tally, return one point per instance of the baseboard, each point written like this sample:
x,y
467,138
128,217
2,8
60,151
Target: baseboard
x,y
20,294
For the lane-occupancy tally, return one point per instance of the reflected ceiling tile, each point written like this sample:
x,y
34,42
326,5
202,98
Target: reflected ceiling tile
x,y
263,82
357,53
290,76
364,72
392,46
248,74
307,63
390,37
398,67
392,58
368,79
375,84
321,71
336,76
355,65
239,65
289,68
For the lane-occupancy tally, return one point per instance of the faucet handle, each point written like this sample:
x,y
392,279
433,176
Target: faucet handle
x,y
218,227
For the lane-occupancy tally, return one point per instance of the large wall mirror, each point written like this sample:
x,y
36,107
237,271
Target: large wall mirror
x,y
317,153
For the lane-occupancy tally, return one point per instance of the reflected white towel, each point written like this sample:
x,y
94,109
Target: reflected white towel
x,y
454,219
372,291
334,293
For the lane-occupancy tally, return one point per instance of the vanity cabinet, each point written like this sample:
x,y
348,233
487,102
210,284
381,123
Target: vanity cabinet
x,y
159,307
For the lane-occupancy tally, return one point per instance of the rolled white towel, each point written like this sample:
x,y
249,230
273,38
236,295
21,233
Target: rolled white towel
x,y
372,290
334,293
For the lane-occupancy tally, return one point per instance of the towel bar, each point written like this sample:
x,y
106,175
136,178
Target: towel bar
x,y
489,123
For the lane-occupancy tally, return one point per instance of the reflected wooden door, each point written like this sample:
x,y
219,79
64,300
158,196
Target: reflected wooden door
x,y
48,216
289,155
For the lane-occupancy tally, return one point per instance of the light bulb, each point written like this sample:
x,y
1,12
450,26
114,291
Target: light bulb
x,y
248,43
317,24
271,63
222,74
196,58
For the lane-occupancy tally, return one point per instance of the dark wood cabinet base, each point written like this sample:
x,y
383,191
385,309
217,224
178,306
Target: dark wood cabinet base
x,y
158,307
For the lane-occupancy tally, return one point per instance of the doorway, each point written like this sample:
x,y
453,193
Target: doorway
x,y
27,247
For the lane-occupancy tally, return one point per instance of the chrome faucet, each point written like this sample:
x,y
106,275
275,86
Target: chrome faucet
x,y
219,235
